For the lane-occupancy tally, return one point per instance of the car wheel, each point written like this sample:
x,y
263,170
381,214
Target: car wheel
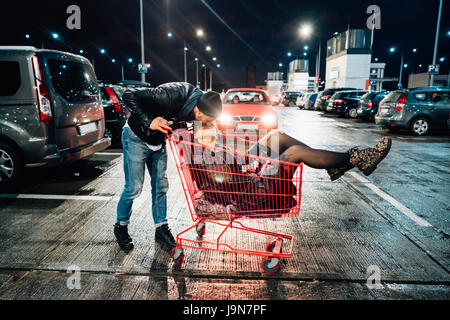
x,y
353,113
291,104
11,166
420,126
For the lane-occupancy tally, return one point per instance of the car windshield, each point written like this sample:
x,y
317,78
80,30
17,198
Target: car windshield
x,y
246,97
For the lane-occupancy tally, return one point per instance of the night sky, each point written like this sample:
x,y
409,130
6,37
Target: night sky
x,y
262,32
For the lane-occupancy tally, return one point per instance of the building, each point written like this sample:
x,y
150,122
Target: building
x,y
376,76
298,76
422,80
274,84
349,59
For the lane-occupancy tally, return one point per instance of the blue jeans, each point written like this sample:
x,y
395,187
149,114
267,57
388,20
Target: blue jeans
x,y
136,155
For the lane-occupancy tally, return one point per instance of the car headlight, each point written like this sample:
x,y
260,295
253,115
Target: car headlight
x,y
225,118
269,119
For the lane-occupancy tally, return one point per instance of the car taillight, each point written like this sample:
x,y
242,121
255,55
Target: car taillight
x,y
115,101
369,104
325,97
45,109
338,101
401,102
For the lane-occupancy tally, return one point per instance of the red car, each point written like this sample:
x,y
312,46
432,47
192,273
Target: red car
x,y
247,109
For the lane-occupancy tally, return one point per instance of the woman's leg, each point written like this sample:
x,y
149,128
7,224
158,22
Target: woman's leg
x,y
336,163
295,151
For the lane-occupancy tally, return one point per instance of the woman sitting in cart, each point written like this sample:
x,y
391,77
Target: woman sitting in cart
x,y
264,183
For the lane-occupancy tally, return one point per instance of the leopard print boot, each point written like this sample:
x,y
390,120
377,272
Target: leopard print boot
x,y
367,159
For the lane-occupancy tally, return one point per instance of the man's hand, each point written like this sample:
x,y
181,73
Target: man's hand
x,y
160,124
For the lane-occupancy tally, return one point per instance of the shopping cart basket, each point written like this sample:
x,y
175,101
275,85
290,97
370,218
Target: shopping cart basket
x,y
227,184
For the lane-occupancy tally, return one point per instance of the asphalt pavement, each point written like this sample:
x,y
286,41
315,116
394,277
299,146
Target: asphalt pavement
x,y
394,223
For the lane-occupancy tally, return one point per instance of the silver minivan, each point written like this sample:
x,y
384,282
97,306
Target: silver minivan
x,y
50,110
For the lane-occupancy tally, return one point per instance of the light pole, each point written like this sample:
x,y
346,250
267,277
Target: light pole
x,y
185,62
305,31
436,41
142,40
196,72
400,86
204,74
392,50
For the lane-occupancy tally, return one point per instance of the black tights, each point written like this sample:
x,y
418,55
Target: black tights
x,y
292,150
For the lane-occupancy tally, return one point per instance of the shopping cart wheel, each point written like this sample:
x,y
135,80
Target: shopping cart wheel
x,y
177,256
271,245
270,265
200,228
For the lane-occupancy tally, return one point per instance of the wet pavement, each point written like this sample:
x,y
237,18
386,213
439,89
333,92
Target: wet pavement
x,y
395,221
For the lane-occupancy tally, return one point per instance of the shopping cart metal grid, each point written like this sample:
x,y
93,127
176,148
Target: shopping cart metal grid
x,y
225,185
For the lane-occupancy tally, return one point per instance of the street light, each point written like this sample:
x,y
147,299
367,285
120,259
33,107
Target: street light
x,y
305,30
306,47
289,54
200,33
414,50
214,59
280,64
442,59
55,35
218,66
130,60
81,51
208,48
169,34
113,60
102,51
392,49
27,36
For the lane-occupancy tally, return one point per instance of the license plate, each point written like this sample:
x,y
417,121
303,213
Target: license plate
x,y
87,128
246,126
384,111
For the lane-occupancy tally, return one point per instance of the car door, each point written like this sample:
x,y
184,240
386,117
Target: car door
x,y
439,105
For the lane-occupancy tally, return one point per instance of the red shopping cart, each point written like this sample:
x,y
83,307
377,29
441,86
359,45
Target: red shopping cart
x,y
224,185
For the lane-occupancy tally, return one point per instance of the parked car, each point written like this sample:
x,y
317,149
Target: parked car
x,y
242,112
323,96
50,110
309,103
289,98
345,103
116,113
418,109
301,99
133,84
368,104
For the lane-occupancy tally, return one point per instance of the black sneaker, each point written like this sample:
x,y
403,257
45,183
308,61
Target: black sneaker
x,y
164,236
123,238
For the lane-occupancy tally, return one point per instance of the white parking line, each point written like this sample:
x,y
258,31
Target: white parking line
x,y
110,153
55,197
145,196
391,200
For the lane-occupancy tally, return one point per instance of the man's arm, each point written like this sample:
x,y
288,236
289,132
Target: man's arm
x,y
144,104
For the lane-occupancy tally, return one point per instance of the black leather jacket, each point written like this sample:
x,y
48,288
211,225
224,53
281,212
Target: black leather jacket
x,y
146,104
